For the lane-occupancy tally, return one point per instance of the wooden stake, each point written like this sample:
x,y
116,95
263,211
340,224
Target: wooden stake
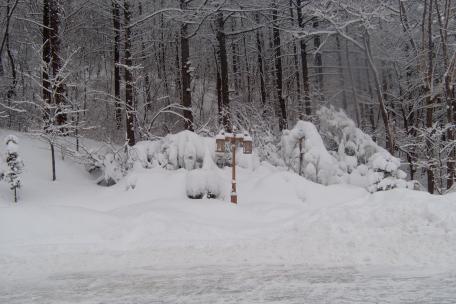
x,y
233,170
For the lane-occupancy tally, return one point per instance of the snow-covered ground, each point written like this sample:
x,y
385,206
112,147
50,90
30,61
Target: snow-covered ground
x,y
288,239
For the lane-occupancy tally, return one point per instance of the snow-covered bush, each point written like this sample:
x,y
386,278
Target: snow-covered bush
x,y
185,149
303,151
145,152
14,164
341,154
107,164
204,182
362,161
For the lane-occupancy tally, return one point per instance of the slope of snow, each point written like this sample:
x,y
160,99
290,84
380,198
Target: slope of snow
x,y
74,225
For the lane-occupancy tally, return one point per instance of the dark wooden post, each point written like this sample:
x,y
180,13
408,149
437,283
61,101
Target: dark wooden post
x,y
233,170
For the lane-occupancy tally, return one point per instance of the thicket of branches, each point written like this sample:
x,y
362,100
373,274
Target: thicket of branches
x,y
128,70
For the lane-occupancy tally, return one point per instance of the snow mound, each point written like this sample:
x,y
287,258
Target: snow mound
x,y
73,225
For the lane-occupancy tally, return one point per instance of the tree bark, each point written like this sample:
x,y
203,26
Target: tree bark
x,y
282,111
352,84
56,62
46,61
304,67
318,60
223,59
341,73
259,45
116,24
296,66
130,109
390,145
186,73
429,101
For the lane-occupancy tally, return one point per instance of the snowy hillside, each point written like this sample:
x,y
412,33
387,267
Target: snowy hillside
x,y
74,225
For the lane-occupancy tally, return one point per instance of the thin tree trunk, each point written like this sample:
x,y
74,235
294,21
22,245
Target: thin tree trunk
x,y
318,61
383,110
235,64
282,114
304,67
341,73
371,95
46,61
56,62
53,161
130,109
259,45
185,73
223,59
296,66
448,88
430,102
12,89
116,24
352,84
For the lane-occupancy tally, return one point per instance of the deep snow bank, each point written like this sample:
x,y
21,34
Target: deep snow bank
x,y
73,224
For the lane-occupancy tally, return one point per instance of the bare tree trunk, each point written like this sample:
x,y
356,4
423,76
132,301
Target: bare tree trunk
x,y
304,67
259,45
185,73
56,60
341,73
318,61
146,95
53,161
390,145
223,59
352,84
278,67
429,101
46,59
247,67
12,89
296,66
370,107
116,24
448,88
235,61
130,109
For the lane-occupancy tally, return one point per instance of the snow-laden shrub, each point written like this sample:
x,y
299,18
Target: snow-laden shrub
x,y
303,151
14,164
185,149
204,182
107,164
145,153
341,154
362,161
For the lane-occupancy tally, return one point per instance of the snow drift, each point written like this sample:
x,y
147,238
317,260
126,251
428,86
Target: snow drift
x,y
74,225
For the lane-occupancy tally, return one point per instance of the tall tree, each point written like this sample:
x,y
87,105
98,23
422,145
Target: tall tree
x,y
281,107
58,89
186,71
223,62
304,67
117,30
129,102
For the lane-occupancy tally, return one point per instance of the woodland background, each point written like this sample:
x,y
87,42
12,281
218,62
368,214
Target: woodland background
x,y
126,71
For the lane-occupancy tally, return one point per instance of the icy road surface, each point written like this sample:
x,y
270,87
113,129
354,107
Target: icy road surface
x,y
239,284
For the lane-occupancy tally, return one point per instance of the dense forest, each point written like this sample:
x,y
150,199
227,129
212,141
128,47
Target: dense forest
x,y
123,71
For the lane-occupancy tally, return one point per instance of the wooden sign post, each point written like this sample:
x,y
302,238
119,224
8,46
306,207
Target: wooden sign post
x,y
235,139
